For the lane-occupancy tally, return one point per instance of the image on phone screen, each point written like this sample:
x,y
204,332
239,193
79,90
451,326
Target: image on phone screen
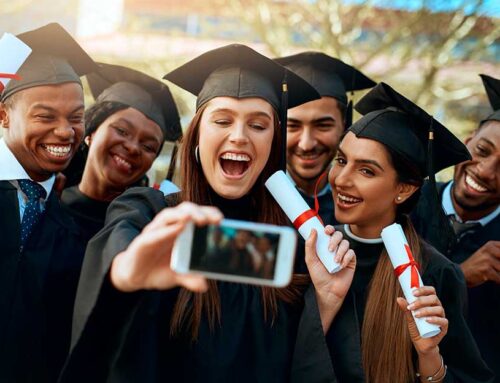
x,y
233,251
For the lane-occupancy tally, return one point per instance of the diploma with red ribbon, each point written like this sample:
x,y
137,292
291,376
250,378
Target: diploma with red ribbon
x,y
302,216
13,53
407,272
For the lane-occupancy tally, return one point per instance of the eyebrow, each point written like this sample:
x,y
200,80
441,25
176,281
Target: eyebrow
x,y
363,161
487,141
130,125
323,119
231,111
53,110
315,121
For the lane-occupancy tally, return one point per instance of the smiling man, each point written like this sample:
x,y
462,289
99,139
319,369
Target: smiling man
x,y
314,128
472,202
41,115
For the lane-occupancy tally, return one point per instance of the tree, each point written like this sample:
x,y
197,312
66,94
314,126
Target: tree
x,y
421,52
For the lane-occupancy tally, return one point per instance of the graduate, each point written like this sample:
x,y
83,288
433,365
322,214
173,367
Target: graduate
x,y
41,114
471,202
124,133
314,128
123,329
370,334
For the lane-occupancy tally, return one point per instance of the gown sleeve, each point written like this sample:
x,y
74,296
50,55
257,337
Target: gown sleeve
x,y
458,348
311,360
103,314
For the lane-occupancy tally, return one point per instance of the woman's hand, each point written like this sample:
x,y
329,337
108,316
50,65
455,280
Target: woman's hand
x,y
331,289
145,264
428,306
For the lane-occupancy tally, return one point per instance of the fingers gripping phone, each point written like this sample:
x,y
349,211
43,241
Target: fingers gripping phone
x,y
237,251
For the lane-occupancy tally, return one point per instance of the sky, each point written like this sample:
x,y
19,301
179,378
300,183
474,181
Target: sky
x,y
489,8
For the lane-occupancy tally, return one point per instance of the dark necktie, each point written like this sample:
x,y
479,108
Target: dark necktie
x,y
32,212
462,228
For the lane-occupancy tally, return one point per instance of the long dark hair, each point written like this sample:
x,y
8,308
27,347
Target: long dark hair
x,y
385,341
190,307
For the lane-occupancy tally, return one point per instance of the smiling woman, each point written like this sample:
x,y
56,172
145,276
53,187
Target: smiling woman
x,y
232,332
380,166
124,133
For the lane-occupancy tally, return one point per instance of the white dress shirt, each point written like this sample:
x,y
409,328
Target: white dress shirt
x,y
449,209
11,170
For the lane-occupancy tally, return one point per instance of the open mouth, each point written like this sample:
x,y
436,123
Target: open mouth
x,y
345,200
122,163
233,164
472,184
59,151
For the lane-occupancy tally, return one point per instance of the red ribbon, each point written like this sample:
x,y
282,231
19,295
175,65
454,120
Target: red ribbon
x,y
304,217
316,201
414,268
9,76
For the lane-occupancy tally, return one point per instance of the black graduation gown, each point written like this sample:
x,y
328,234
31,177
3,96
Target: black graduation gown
x,y
37,290
483,313
120,337
89,214
343,340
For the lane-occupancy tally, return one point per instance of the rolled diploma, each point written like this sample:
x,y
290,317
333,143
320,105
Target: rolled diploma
x,y
394,241
292,203
13,53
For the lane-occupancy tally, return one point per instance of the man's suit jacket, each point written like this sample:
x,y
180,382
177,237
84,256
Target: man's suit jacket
x,y
37,290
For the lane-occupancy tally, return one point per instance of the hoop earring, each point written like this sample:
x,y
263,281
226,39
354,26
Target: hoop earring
x,y
197,153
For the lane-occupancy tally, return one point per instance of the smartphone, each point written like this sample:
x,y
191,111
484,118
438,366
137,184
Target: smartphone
x,y
237,251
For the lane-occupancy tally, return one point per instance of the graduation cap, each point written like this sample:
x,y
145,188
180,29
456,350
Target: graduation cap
x,y
56,59
330,76
395,121
407,129
239,71
142,92
492,87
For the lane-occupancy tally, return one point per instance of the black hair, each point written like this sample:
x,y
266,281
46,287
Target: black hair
x,y
406,173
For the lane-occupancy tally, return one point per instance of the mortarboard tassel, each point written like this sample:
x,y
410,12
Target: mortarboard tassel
x,y
445,236
173,162
283,122
348,115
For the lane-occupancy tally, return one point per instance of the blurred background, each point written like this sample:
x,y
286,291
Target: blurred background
x,y
431,51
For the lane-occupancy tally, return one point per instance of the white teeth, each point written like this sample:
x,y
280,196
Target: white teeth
x,y
235,157
348,199
58,150
122,161
474,185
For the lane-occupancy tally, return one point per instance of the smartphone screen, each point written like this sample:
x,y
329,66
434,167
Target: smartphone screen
x,y
234,251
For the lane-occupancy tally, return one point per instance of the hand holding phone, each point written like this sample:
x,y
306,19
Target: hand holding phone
x,y
237,251
145,264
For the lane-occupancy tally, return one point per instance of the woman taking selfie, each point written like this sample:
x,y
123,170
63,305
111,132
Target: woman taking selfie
x,y
124,133
232,332
370,333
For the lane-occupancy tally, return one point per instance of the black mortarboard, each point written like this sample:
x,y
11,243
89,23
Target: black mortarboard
x,y
239,71
56,59
331,77
142,92
328,75
395,121
407,129
492,87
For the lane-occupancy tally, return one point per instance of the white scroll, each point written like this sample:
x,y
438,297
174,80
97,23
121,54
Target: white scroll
x,y
299,212
400,254
13,53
